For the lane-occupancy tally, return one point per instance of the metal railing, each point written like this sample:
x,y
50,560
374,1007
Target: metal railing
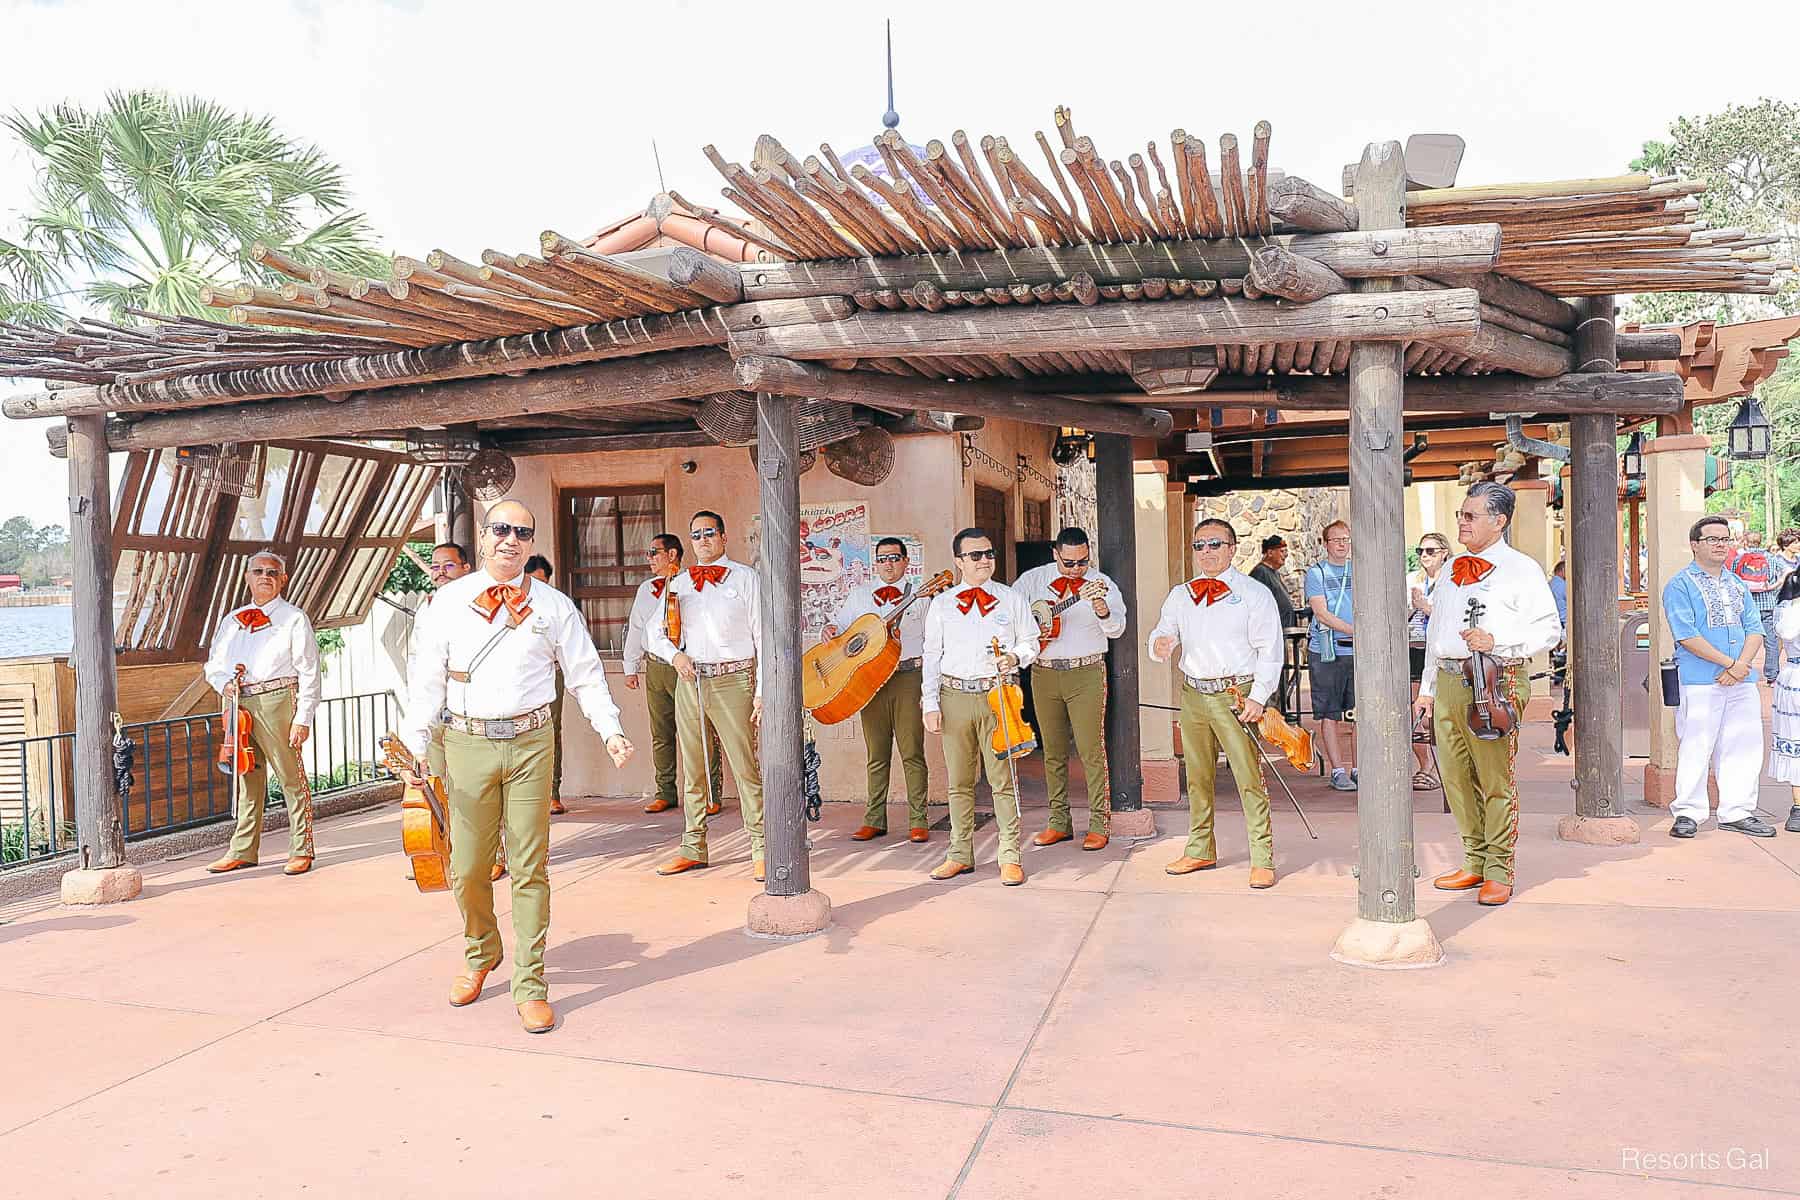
x,y
176,783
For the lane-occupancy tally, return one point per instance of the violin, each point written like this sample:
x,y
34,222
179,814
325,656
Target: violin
x,y
672,617
1012,737
1491,712
424,818
1295,744
1049,615
236,756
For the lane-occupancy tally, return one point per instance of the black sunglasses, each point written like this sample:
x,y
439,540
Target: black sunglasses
x,y
1423,550
698,534
1212,543
890,558
1071,564
978,555
501,529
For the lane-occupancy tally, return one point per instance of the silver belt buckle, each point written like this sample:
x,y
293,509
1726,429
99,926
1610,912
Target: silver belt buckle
x,y
502,730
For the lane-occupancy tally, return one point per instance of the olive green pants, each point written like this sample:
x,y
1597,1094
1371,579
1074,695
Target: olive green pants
x,y
1071,706
1478,775
968,726
660,680
892,717
1209,723
729,702
271,720
493,784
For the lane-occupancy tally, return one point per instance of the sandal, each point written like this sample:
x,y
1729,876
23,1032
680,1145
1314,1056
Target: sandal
x,y
1424,781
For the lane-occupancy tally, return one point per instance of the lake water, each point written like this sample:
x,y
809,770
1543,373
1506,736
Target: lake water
x,y
48,629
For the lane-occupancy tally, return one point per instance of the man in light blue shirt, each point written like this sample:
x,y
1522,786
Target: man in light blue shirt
x,y
1328,592
1718,645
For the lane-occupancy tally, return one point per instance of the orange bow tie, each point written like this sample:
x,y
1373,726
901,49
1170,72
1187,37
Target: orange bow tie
x,y
705,575
975,597
657,586
1468,570
1062,585
887,595
502,595
253,619
1209,590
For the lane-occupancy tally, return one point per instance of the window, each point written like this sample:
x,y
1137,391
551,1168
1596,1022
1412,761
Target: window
x,y
604,533
1037,521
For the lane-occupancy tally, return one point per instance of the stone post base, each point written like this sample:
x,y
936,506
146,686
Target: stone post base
x,y
1599,831
1162,781
102,885
1659,787
1139,823
789,916
1388,947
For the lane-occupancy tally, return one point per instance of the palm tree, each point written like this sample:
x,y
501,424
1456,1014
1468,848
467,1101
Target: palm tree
x,y
145,201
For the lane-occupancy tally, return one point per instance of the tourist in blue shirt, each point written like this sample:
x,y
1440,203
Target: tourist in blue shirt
x,y
1328,592
1718,727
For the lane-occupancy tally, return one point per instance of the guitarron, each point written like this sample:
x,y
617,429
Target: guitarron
x,y
424,819
838,677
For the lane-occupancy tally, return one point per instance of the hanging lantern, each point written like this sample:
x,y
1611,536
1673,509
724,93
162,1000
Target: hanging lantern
x,y
1748,436
1631,461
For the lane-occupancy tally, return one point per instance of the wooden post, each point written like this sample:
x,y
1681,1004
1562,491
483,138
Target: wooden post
x,y
788,906
103,875
1593,507
459,511
1387,931
1117,535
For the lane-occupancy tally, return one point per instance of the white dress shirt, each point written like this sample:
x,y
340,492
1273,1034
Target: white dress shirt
x,y
958,644
517,672
861,602
646,610
1519,611
720,623
1239,634
282,648
1083,633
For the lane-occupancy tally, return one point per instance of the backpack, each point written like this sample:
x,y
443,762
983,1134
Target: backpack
x,y
1752,566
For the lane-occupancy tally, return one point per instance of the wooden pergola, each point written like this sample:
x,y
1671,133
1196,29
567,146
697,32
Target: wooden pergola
x,y
1354,339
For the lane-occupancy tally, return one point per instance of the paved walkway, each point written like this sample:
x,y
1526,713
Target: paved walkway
x,y
1624,1027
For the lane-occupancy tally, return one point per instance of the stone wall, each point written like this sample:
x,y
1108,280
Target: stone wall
x,y
1298,516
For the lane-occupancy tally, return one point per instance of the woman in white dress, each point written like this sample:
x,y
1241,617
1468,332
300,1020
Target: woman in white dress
x,y
1784,753
1434,552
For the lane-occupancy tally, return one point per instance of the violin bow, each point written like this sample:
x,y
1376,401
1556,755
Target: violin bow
x,y
237,708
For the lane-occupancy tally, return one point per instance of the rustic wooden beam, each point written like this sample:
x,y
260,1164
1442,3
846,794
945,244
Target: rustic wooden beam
x,y
1645,392
1650,345
1280,272
1512,295
623,382
533,446
928,422
690,269
1428,250
1060,328
1269,483
757,373
455,360
1300,205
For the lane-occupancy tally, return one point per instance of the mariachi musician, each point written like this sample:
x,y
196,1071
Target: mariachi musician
x,y
1229,632
486,656
1068,680
657,677
720,664
961,675
1518,620
893,716
273,641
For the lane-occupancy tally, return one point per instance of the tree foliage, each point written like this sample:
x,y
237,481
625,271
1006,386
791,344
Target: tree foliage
x,y
142,202
406,577
38,554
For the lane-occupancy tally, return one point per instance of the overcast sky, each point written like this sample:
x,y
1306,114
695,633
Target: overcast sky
x,y
470,125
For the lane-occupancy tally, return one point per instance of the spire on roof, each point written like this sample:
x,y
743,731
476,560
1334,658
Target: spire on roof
x,y
890,118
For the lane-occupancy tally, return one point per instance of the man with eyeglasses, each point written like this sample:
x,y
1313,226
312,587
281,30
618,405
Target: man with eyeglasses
x,y
488,650
1068,682
1330,650
720,603
1518,620
273,641
1267,572
960,670
658,678
893,716
1228,629
1718,636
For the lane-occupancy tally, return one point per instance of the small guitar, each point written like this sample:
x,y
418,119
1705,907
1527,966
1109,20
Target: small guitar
x,y
838,677
424,818
1048,614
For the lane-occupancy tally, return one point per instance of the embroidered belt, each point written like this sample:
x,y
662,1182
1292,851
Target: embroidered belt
x,y
1069,664
1212,687
909,664
724,668
271,685
951,683
1454,666
502,729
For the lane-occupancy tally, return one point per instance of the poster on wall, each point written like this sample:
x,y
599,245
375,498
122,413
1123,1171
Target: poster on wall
x,y
834,558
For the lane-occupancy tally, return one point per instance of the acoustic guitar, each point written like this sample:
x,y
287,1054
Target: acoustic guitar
x,y
424,819
838,677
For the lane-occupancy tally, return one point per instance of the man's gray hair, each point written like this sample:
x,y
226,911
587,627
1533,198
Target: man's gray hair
x,y
269,554
1498,498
